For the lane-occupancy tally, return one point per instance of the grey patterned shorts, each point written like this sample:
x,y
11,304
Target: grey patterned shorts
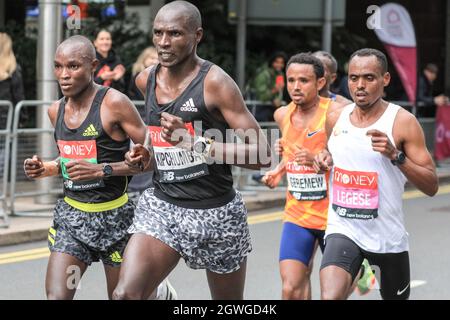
x,y
91,236
216,239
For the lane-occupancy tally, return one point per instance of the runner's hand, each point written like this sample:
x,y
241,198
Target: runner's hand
x,y
82,170
138,157
303,156
174,131
381,143
272,178
33,167
323,161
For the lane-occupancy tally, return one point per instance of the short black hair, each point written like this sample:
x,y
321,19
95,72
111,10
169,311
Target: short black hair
x,y
187,9
308,58
367,52
333,63
87,48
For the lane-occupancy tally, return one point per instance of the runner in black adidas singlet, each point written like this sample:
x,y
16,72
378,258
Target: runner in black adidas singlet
x,y
193,212
93,127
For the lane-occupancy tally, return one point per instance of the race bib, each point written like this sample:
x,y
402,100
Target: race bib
x,y
355,194
176,164
304,183
78,150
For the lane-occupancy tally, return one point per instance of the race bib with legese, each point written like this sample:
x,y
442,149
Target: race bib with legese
x,y
78,150
304,183
355,194
176,164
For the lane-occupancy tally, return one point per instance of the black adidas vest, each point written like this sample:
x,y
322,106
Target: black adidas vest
x,y
181,177
91,143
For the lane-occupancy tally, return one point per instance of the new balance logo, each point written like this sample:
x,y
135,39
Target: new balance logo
x,y
90,131
189,106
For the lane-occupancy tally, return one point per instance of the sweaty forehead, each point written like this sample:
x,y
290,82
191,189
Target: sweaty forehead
x,y
73,51
365,64
171,19
300,69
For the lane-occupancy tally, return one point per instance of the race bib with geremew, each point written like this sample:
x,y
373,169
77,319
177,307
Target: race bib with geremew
x,y
78,150
304,183
176,164
355,194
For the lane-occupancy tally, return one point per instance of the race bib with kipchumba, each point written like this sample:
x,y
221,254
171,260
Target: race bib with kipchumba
x,y
355,194
304,183
176,164
78,150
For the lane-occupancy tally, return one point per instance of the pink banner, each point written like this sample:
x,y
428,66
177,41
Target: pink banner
x,y
396,31
442,133
405,60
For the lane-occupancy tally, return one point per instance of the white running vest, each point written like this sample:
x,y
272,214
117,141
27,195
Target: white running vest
x,y
366,189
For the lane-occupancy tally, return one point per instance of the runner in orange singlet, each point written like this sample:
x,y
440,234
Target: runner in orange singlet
x,y
303,136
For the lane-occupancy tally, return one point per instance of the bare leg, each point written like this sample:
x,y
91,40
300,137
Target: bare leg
x,y
63,275
335,283
228,286
112,278
146,262
307,289
295,279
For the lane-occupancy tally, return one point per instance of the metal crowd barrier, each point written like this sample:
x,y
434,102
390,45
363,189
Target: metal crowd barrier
x,y
30,188
5,135
21,187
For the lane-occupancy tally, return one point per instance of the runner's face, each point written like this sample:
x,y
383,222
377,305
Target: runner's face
x,y
302,83
174,39
329,76
366,80
73,71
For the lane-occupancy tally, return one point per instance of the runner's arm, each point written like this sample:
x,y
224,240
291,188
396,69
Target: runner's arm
x,y
419,168
223,95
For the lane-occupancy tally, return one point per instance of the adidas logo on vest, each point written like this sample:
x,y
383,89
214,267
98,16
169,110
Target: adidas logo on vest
x,y
189,106
90,131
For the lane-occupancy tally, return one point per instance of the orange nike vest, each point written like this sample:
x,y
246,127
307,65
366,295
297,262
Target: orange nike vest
x,y
307,194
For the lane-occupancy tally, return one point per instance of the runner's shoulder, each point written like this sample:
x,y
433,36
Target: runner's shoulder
x,y
218,79
343,100
404,119
53,110
280,113
116,102
142,77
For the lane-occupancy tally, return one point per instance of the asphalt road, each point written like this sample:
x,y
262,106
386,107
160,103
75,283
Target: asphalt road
x,y
22,271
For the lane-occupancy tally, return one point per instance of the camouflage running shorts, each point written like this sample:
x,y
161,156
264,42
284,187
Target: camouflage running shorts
x,y
216,239
91,236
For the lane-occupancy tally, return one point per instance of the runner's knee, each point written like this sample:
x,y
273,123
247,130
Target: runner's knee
x,y
122,293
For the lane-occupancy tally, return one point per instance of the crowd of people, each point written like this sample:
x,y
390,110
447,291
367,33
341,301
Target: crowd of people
x,y
346,164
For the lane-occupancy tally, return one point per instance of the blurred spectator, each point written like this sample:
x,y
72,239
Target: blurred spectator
x,y
143,181
110,70
11,84
425,92
147,58
268,86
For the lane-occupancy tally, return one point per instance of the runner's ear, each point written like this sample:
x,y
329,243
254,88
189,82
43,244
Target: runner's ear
x,y
321,83
386,79
95,63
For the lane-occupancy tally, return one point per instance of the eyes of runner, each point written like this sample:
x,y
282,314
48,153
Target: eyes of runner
x,y
368,77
